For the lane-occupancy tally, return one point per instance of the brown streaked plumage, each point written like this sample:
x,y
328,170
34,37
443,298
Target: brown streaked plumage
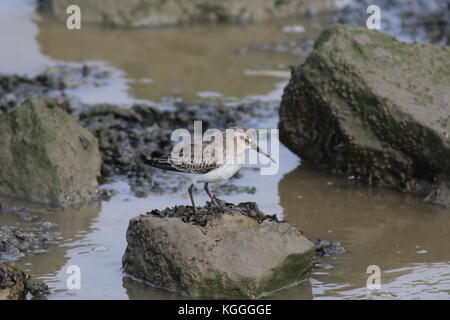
x,y
209,169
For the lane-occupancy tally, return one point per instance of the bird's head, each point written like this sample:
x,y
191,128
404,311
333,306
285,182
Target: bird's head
x,y
247,136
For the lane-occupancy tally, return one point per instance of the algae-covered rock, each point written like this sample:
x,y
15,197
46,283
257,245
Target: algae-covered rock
x,y
367,106
46,156
138,13
12,282
231,256
15,284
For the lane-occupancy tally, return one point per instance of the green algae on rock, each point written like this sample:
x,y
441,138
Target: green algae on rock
x,y
368,106
15,284
231,256
47,156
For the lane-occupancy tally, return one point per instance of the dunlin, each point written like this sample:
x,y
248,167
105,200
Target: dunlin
x,y
211,168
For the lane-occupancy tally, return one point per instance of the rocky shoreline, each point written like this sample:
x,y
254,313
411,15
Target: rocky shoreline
x,y
123,134
363,106
127,133
53,83
32,234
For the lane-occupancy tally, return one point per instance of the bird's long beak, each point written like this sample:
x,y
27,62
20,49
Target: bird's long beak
x,y
258,149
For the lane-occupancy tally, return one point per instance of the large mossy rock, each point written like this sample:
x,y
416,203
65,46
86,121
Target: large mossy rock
x,y
234,256
365,105
47,156
138,13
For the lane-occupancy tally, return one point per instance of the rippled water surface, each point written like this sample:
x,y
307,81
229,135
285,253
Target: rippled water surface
x,y
406,238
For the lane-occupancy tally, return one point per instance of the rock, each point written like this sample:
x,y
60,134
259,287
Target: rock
x,y
107,194
47,157
12,282
233,255
408,20
367,106
18,240
52,82
326,248
139,13
15,284
36,286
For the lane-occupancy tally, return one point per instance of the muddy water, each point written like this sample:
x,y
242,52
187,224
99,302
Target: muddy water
x,y
402,235
192,62
406,238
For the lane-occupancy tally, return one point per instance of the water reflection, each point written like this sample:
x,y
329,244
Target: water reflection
x,y
72,225
405,237
376,226
419,281
186,60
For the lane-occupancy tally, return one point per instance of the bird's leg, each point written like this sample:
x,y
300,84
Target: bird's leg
x,y
213,199
192,197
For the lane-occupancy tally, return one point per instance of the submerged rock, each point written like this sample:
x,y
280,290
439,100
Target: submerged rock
x,y
236,253
367,106
47,156
15,284
12,282
18,240
326,248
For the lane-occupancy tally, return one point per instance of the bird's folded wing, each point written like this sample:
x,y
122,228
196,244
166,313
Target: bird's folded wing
x,y
166,162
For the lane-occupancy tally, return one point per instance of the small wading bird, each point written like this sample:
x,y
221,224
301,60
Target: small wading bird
x,y
210,168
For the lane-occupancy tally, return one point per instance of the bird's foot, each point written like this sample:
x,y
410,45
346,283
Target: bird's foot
x,y
221,205
217,201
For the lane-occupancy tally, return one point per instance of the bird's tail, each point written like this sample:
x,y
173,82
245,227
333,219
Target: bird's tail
x,y
163,162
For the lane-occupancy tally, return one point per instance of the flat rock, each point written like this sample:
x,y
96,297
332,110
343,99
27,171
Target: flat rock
x,y
233,255
367,106
47,156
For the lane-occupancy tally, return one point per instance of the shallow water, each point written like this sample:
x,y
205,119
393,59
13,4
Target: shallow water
x,y
406,238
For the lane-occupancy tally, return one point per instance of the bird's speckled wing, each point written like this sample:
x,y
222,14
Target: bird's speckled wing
x,y
209,161
167,163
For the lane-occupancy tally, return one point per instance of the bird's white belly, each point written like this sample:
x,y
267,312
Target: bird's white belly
x,y
224,172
